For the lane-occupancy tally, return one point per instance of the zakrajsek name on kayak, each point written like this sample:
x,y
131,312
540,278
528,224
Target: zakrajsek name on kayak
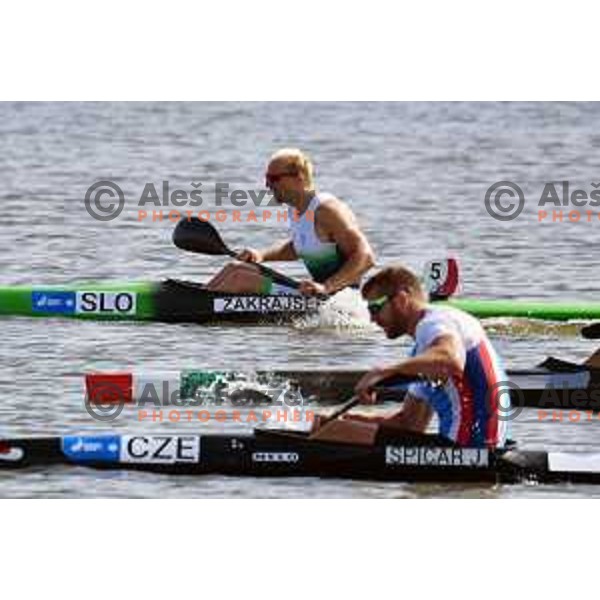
x,y
222,216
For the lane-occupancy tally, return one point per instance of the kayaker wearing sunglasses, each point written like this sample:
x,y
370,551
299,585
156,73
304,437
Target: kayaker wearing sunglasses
x,y
324,234
461,379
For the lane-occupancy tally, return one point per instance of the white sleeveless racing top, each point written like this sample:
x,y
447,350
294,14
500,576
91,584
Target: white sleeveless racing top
x,y
322,259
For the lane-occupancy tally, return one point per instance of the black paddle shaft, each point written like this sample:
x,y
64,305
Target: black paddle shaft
x,y
385,389
380,389
196,235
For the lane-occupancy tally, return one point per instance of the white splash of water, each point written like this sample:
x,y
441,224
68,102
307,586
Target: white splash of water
x,y
345,310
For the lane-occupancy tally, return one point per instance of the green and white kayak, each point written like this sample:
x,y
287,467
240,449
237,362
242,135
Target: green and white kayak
x,y
168,301
546,310
184,302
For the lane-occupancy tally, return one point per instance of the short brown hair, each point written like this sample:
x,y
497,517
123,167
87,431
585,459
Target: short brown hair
x,y
391,280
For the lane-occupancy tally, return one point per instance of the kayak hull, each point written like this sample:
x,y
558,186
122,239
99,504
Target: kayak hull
x,y
526,309
184,302
168,301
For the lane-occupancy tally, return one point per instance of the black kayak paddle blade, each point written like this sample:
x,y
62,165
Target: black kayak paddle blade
x,y
591,332
195,235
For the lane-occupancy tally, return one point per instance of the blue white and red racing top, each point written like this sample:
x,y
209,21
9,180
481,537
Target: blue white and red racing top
x,y
471,408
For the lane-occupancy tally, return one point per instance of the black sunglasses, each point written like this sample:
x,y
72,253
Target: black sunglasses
x,y
277,176
376,306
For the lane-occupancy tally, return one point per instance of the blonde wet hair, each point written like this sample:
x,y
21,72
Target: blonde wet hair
x,y
295,158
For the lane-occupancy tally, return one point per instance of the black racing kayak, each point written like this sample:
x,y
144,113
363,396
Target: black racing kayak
x,y
279,454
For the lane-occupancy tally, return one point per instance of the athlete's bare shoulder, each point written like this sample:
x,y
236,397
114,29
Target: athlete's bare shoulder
x,y
332,211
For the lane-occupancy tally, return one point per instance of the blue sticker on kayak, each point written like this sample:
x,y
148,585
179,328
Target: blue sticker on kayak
x,y
52,301
92,447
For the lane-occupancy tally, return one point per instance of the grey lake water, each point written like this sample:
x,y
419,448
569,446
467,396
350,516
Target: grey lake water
x,y
415,174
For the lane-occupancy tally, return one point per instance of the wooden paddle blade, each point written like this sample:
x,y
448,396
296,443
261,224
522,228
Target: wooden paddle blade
x,y
195,235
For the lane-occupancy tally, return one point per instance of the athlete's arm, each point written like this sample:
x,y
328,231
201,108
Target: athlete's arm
x,y
278,252
337,222
281,251
443,358
414,416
